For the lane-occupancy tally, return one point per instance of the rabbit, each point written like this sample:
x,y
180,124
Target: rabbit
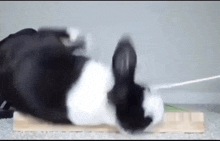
x,y
40,76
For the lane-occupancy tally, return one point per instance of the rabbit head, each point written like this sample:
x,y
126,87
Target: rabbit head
x,y
136,108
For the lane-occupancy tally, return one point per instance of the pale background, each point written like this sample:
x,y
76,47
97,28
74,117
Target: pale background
x,y
175,41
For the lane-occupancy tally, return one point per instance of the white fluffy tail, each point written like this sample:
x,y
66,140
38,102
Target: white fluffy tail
x,y
74,33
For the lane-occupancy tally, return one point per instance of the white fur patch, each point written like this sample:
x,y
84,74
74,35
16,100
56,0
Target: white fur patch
x,y
153,106
87,99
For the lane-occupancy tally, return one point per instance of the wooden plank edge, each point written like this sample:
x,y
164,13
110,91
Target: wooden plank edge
x,y
22,123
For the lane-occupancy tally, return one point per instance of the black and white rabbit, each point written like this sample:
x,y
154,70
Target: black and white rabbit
x,y
40,76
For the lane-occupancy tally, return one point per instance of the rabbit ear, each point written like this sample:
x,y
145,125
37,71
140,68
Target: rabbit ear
x,y
124,60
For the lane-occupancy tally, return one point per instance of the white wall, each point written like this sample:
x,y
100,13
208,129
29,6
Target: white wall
x,y
175,40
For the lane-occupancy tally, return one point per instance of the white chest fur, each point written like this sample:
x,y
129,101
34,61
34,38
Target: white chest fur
x,y
87,99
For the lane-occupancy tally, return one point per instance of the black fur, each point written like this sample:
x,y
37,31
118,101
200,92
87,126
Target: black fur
x,y
36,70
126,95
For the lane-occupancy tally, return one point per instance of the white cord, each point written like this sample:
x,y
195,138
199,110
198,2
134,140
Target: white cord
x,y
165,86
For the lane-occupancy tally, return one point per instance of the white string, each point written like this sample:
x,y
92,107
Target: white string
x,y
165,86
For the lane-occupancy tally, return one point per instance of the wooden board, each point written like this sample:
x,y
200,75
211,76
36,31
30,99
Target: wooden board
x,y
185,122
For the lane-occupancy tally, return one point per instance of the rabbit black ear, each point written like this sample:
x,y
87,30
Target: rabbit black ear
x,y
124,60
